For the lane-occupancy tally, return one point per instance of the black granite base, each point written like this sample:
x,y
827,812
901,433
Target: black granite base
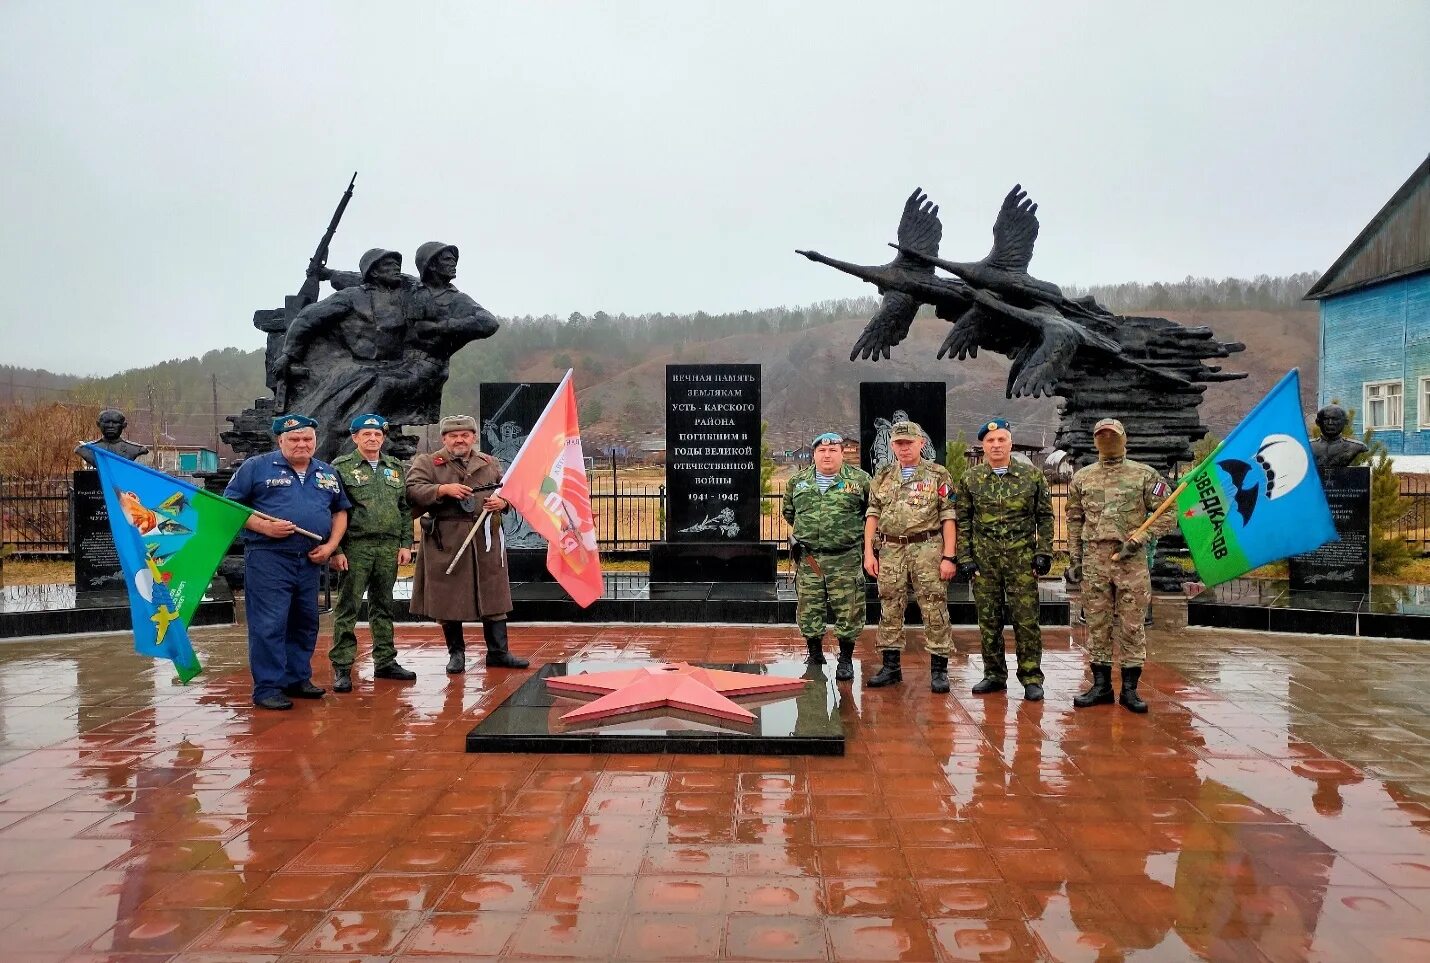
x,y
1263,605
803,724
635,598
713,561
527,565
36,610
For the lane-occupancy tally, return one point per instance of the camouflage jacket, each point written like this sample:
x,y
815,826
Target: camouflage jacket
x,y
832,521
379,498
1003,514
1107,500
910,507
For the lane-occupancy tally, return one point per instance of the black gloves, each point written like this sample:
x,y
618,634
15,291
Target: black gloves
x,y
1042,564
1073,573
1128,549
968,570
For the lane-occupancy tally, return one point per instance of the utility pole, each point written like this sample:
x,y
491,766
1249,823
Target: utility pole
x,y
213,382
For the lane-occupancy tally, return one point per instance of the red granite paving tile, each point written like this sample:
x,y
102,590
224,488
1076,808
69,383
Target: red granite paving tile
x,y
338,857
1033,865
958,940
587,858
687,860
59,929
447,829
259,931
779,897
207,890
157,931
241,852
950,863
678,894
773,831
584,894
718,782
364,933
752,937
426,857
667,936
968,900
49,825
576,936
1398,871
870,896
393,892
510,858
880,938
489,892
859,861
300,891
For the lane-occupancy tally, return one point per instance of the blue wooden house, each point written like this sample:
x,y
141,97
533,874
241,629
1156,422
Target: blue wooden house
x,y
1375,323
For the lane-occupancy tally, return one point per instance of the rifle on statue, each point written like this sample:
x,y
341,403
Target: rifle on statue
x,y
308,293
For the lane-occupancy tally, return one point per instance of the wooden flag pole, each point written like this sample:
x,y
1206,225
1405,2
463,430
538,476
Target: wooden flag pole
x,y
301,531
468,540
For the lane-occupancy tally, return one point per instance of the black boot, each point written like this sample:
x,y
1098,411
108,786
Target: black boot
x,y
498,655
844,671
456,648
1100,692
989,684
342,678
1131,674
394,670
938,673
890,673
816,650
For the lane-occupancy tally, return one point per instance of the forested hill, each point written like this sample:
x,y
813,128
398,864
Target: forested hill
x,y
808,380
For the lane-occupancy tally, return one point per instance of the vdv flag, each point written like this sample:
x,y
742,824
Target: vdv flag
x,y
547,484
1257,498
170,537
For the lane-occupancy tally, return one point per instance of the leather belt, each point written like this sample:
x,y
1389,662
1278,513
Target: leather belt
x,y
913,539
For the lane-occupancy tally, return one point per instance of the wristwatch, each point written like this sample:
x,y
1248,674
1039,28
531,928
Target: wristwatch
x,y
950,558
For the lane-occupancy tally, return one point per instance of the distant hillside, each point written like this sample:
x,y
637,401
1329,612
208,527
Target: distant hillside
x,y
809,382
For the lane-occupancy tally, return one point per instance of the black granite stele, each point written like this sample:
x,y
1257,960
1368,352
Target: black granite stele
x,y
36,610
881,403
509,410
635,598
712,472
1343,565
800,724
1267,605
96,563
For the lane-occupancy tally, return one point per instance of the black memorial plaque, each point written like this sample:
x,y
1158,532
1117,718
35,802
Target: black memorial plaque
x,y
881,403
96,564
509,410
712,451
1344,565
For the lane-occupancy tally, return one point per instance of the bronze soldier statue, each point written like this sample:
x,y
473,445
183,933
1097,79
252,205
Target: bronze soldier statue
x,y
1332,450
111,424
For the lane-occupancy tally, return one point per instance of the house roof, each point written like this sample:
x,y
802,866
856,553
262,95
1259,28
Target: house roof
x,y
1394,244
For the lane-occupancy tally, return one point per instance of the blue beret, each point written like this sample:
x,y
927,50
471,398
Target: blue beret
x,y
993,424
291,423
367,421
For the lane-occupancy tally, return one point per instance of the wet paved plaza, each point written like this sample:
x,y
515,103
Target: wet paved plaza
x,y
1274,805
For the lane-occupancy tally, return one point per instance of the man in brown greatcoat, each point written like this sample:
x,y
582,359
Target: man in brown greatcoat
x,y
441,487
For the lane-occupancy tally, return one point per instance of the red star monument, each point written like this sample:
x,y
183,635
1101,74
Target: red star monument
x,y
679,686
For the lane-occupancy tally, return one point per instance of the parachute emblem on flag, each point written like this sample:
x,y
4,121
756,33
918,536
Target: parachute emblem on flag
x,y
1283,464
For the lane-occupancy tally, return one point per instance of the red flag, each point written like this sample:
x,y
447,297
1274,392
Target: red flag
x,y
547,484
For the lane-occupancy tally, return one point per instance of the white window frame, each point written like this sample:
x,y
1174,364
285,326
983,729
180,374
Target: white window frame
x,y
1395,419
1422,403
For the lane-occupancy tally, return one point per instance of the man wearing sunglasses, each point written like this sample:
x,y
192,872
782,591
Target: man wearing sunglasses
x,y
825,504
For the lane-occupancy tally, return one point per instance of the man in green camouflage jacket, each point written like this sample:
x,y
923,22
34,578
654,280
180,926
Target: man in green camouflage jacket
x,y
378,539
1005,541
909,541
825,504
1107,502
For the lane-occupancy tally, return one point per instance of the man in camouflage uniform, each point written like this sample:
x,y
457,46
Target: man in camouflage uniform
x,y
1005,539
378,540
909,540
825,504
1107,502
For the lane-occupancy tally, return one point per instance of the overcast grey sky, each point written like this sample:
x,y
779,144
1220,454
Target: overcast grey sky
x,y
168,166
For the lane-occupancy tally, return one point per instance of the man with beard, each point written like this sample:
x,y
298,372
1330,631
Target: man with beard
x,y
442,485
1108,501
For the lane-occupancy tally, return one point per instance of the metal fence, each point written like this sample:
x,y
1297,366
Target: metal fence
x,y
35,516
629,520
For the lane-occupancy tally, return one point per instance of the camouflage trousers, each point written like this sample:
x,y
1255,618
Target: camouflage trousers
x,y
905,567
372,568
1007,589
840,591
1115,596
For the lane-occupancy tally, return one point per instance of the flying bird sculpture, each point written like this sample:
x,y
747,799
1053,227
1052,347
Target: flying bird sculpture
x,y
1149,371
